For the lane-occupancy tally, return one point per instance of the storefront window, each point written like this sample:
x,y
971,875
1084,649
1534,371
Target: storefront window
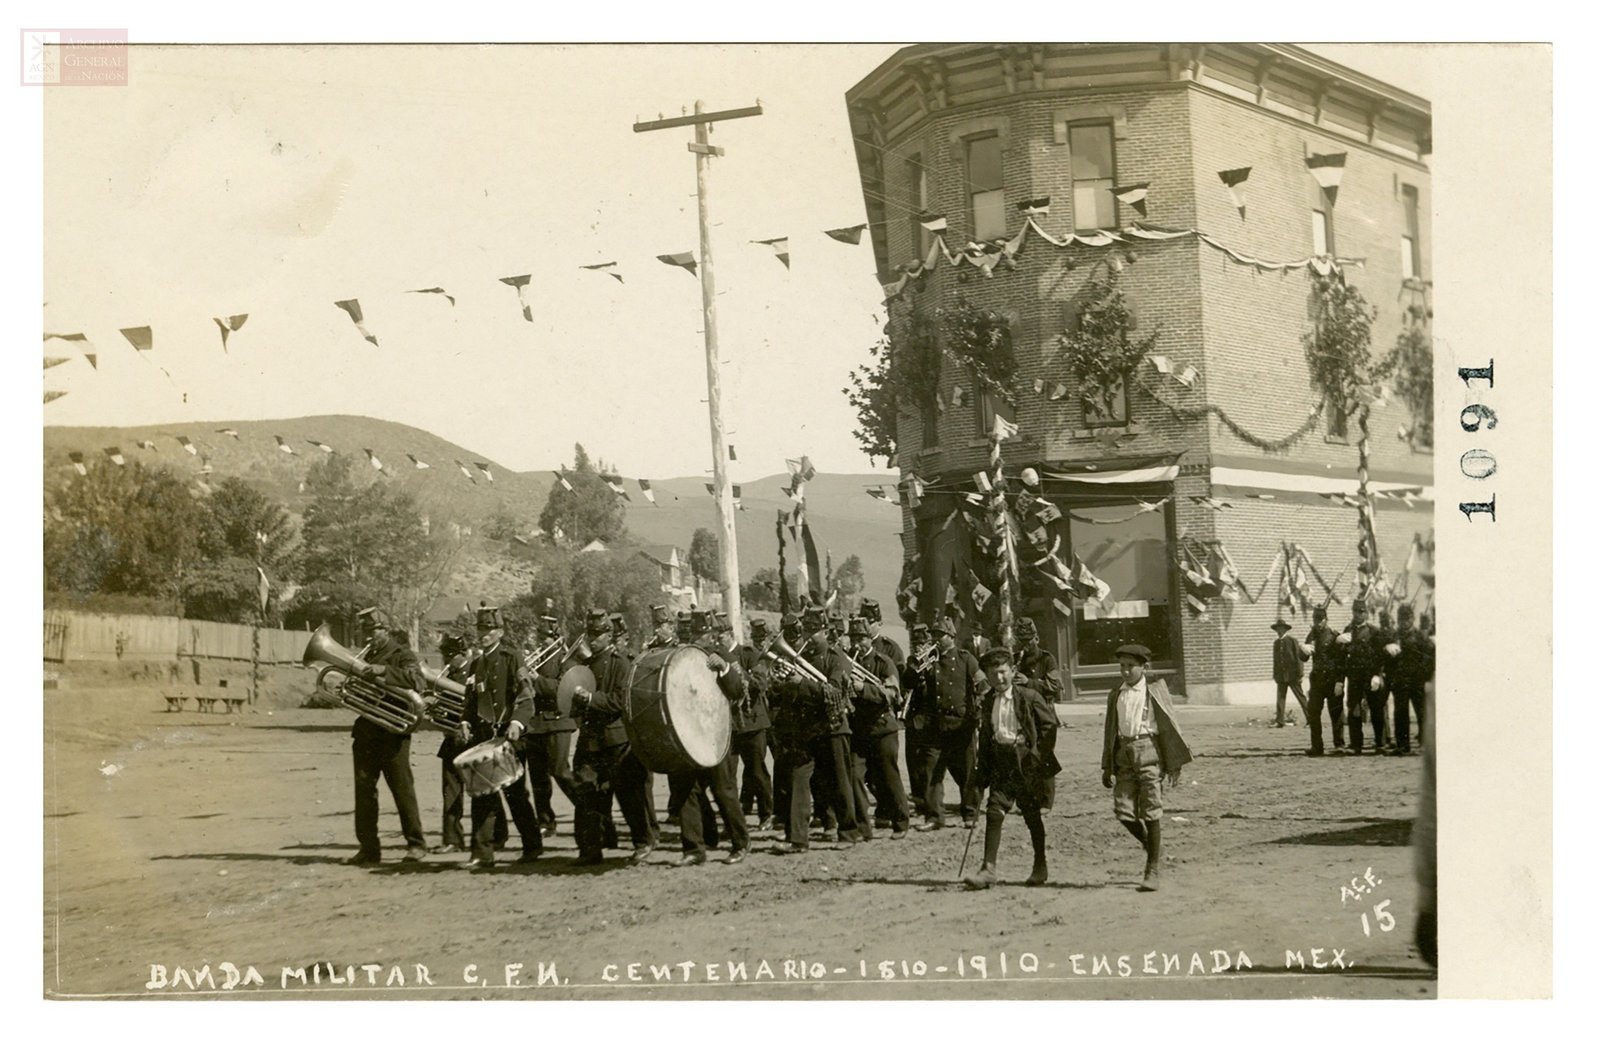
x,y
1131,556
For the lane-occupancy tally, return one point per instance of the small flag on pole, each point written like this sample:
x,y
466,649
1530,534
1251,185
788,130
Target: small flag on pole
x,y
847,235
520,283
958,396
603,268
319,445
140,338
436,290
680,259
649,495
1134,195
115,454
416,462
1328,170
1003,429
1234,180
77,462
1058,391
283,444
186,444
353,308
981,478
483,467
228,325
1160,363
780,248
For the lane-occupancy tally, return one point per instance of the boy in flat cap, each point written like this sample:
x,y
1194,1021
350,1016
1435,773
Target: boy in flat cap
x,y
1288,666
1016,763
1143,748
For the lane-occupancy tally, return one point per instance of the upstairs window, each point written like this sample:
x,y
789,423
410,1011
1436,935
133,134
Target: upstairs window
x,y
1321,237
990,404
1094,172
1411,236
986,188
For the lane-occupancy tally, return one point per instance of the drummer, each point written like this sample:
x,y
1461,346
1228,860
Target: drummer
x,y
720,781
602,765
665,632
458,657
499,703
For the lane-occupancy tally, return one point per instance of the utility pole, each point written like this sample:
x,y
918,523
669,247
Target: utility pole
x,y
722,490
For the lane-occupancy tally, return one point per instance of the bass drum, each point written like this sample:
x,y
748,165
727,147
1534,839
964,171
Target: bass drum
x,y
676,715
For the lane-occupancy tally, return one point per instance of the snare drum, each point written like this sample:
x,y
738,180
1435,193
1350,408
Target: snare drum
x,y
676,715
489,766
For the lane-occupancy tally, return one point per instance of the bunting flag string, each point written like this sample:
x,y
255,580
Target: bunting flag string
x,y
520,283
115,454
466,471
90,354
1133,195
372,459
352,307
50,362
681,259
418,463
76,457
603,268
779,247
319,445
187,444
140,338
435,290
229,325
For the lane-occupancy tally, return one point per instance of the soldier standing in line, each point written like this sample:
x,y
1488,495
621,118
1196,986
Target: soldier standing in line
x,y
1362,671
751,722
549,739
499,703
1324,649
875,730
952,729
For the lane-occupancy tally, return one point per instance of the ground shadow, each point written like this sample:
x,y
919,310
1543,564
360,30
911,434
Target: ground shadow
x,y
310,729
897,881
291,859
1393,832
1251,753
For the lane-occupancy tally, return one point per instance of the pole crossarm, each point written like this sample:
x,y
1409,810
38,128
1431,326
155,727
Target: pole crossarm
x,y
698,118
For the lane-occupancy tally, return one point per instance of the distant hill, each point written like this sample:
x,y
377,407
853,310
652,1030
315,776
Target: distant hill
x,y
844,519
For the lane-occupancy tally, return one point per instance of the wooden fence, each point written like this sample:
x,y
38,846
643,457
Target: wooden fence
x,y
71,637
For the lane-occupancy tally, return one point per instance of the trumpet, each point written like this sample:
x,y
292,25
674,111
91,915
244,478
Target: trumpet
x,y
535,659
450,699
833,698
925,658
392,709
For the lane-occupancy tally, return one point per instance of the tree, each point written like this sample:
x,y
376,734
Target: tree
x,y
850,581
121,529
591,510
363,545
616,581
705,558
762,590
240,529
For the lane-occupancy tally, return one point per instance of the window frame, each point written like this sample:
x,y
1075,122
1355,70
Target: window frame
x,y
1109,126
1411,232
971,189
1340,432
990,404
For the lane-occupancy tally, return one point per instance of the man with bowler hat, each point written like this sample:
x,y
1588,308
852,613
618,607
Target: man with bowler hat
x,y
1288,660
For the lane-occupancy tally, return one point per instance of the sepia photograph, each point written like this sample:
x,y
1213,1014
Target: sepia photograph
x,y
772,521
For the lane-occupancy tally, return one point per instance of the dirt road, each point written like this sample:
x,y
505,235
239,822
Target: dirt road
x,y
177,843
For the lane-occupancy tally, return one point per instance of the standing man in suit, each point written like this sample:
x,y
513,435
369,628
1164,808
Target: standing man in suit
x,y
499,703
1036,663
951,743
751,722
1016,763
1288,661
376,751
1143,749
1324,649
1362,669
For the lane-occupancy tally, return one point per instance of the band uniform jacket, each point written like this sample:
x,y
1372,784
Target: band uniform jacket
x,y
1038,666
1414,667
1174,752
955,691
1325,656
499,694
890,648
874,713
835,695
750,713
1035,749
400,670
1362,658
1288,659
600,723
547,716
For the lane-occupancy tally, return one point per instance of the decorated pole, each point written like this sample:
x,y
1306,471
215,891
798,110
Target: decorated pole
x,y
1005,550
783,574
1366,530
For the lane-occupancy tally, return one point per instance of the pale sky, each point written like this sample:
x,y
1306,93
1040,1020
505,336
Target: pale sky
x,y
275,180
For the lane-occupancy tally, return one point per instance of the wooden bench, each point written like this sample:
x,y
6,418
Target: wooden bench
x,y
230,701
175,701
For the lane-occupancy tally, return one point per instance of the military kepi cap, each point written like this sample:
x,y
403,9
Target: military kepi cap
x,y
488,618
1135,651
871,610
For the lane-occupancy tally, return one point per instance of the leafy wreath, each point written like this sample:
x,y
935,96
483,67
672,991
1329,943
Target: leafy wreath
x,y
981,339
1100,353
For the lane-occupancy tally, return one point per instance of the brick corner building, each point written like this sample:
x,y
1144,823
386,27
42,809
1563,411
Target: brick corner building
x,y
1223,275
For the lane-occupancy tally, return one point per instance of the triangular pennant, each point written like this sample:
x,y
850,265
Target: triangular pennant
x,y
89,352
980,595
282,444
1035,206
738,502
1134,195
372,459
436,290
186,444
77,462
649,495
50,362
140,338
780,248
483,467
680,259
1058,391
228,325
934,223
732,454
465,471
520,283
229,432
1160,363
416,462
878,492
148,445
602,268
115,454
847,235
1234,180
319,445
353,308
562,479
54,394
1328,171
614,481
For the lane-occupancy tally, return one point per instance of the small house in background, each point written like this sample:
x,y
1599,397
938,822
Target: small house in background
x,y
595,545
669,565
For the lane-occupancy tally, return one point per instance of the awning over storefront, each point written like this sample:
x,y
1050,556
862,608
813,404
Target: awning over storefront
x,y
1159,468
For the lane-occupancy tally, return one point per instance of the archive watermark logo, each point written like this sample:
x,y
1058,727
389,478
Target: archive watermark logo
x,y
74,57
